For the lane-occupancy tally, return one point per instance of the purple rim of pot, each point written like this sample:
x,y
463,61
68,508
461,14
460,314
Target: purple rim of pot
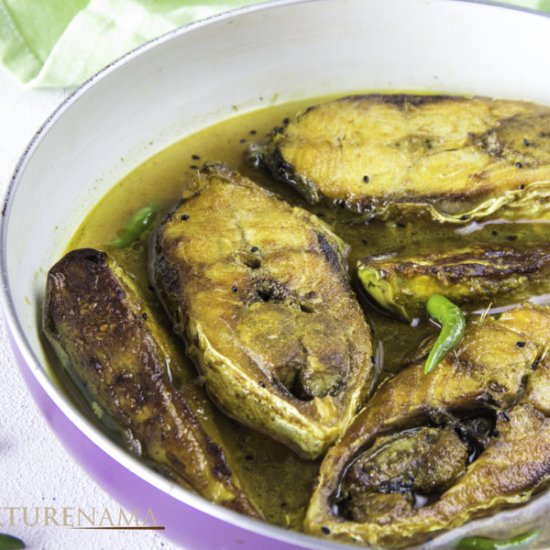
x,y
183,523
189,519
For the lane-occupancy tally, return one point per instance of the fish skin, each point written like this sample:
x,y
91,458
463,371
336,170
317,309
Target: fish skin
x,y
259,290
112,344
478,275
454,159
501,367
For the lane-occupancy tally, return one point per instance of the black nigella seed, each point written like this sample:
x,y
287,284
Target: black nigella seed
x,y
340,202
242,140
520,344
253,132
325,530
494,233
526,142
254,249
286,121
522,186
234,289
366,179
184,218
193,167
511,238
401,225
364,241
519,165
195,157
504,415
464,216
144,316
248,457
262,384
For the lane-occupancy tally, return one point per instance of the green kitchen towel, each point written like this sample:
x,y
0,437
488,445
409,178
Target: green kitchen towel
x,y
60,43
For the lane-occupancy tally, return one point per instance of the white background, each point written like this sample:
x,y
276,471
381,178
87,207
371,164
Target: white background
x,y
35,469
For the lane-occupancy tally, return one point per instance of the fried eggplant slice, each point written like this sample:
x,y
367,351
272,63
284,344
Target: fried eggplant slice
x,y
453,158
430,452
120,355
477,275
260,292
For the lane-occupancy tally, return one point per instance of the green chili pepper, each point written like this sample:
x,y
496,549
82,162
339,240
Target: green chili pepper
x,y
452,329
7,542
483,543
135,226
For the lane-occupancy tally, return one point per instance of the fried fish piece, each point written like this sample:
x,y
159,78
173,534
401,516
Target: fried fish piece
x,y
260,292
454,158
430,452
110,341
477,274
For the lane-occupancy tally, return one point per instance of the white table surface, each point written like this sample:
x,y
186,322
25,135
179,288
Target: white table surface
x,y
35,469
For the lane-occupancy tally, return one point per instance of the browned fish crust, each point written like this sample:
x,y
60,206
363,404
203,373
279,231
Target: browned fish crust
x,y
399,475
477,276
111,343
260,292
453,158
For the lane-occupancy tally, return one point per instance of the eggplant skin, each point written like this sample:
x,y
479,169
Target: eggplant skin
x,y
260,292
455,159
477,275
399,475
109,339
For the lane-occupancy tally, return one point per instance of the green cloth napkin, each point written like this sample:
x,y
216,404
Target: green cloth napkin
x,y
60,43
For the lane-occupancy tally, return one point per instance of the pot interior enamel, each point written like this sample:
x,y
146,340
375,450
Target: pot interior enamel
x,y
241,61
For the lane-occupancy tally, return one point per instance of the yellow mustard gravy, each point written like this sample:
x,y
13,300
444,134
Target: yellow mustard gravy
x,y
278,480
